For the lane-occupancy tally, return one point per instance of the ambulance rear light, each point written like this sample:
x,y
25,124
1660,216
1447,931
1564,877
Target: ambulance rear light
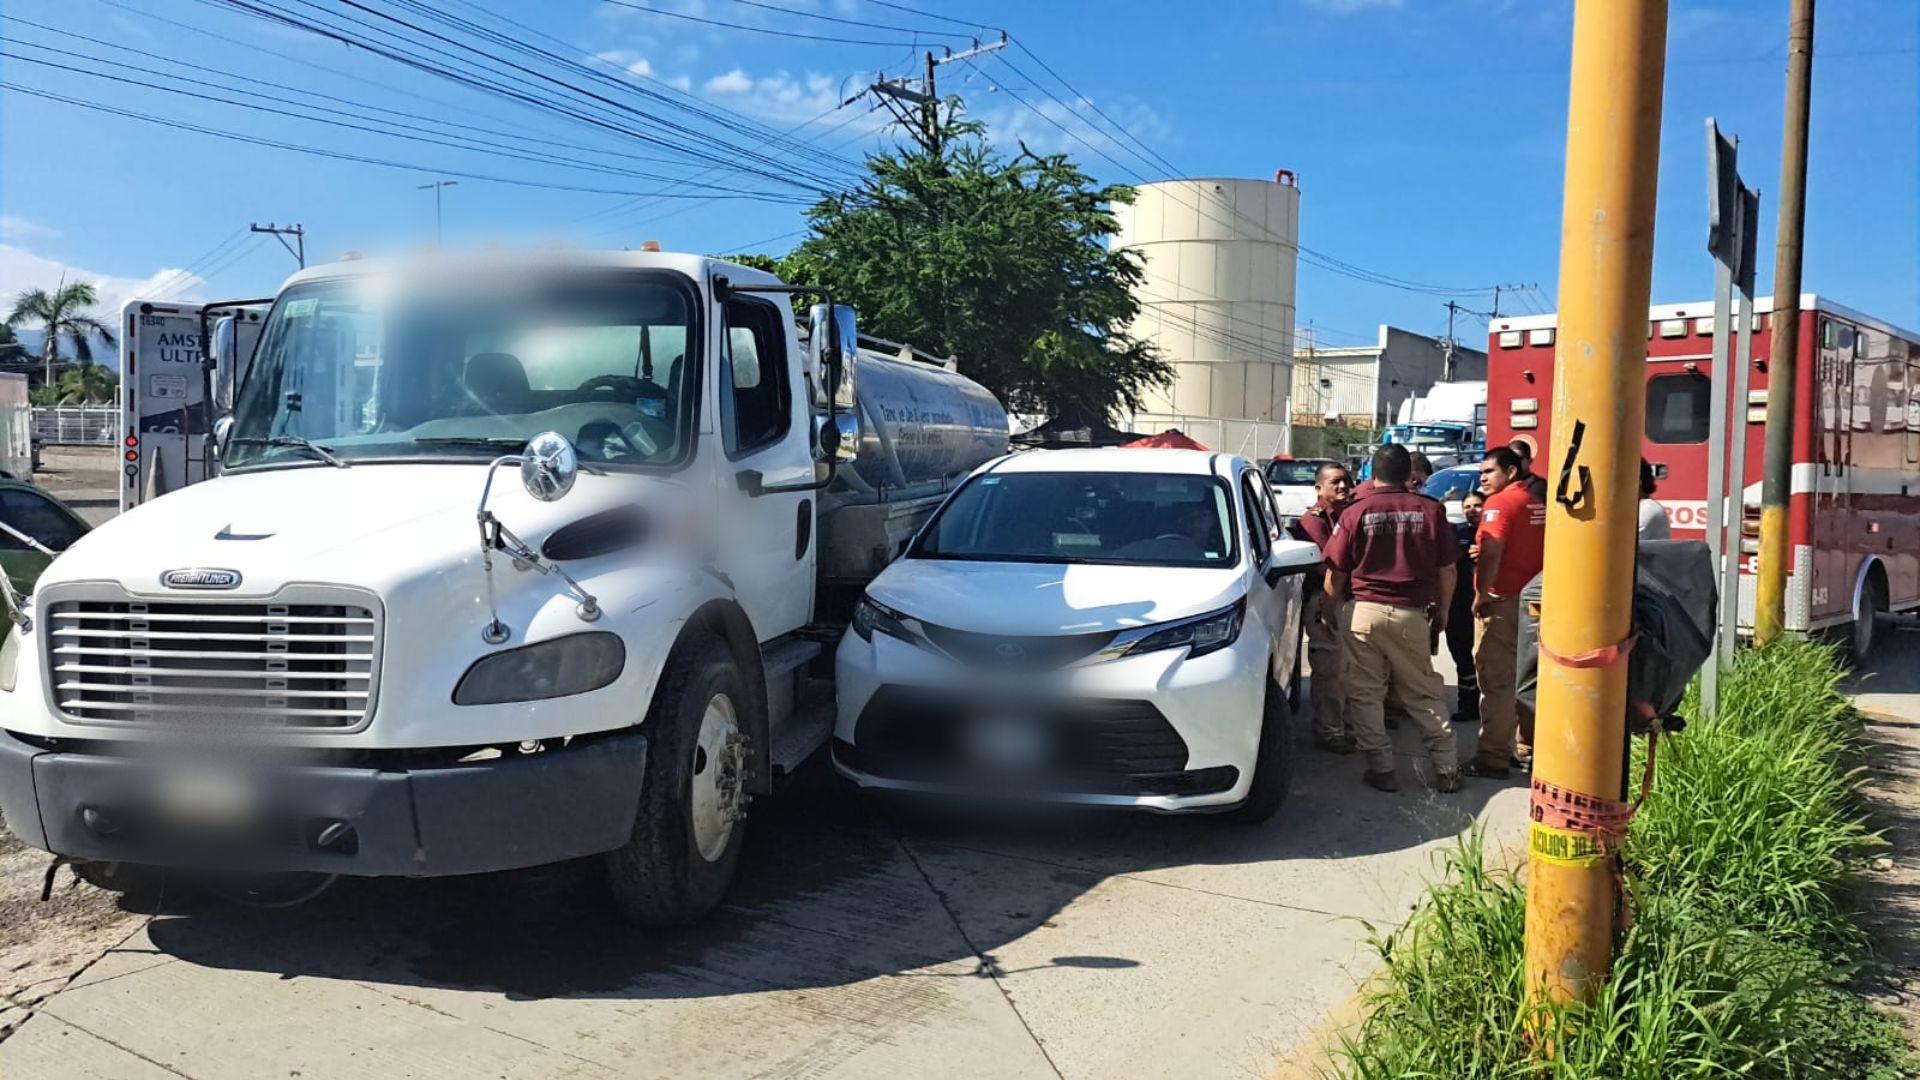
x,y
1749,547
1542,336
1703,326
1756,415
1673,328
1510,339
1523,423
1524,405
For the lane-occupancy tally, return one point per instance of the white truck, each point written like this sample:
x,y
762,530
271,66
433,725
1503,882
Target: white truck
x,y
359,651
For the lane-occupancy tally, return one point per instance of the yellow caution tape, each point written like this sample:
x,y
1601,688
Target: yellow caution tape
x,y
1565,847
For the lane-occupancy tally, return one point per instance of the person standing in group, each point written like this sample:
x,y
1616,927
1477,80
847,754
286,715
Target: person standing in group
x,y
1460,617
1654,522
1325,615
1536,484
1422,470
1393,552
1511,539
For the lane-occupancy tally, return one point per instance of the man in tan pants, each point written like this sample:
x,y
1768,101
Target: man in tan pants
x,y
1325,617
1393,552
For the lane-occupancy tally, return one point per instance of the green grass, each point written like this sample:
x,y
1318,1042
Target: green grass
x,y
1742,945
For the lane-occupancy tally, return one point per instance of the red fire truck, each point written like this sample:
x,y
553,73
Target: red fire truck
x,y
1854,517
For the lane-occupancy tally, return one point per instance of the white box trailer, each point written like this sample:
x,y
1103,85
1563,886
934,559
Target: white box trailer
x,y
172,387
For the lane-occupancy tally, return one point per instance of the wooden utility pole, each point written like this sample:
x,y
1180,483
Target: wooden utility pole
x,y
1599,408
1776,487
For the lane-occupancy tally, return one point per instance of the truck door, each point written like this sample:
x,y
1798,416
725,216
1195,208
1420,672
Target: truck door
x,y
1833,556
768,553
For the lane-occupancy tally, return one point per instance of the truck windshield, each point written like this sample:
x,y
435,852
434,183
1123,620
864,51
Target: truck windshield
x,y
370,369
1293,473
1131,519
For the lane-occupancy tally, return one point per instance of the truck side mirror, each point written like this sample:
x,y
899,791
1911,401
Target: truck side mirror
x,y
222,430
836,438
833,339
220,358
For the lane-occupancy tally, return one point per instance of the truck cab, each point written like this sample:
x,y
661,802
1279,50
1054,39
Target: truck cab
x,y
506,562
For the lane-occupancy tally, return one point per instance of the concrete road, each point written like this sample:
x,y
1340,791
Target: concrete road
x,y
864,938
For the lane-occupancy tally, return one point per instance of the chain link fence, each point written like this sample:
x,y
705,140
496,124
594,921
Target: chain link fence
x,y
92,425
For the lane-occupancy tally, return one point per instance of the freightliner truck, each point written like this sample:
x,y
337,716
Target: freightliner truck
x,y
505,563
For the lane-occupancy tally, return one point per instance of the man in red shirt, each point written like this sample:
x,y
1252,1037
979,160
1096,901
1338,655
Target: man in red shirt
x,y
1512,536
1326,616
1393,553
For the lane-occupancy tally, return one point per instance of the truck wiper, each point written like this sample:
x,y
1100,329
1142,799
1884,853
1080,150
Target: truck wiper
x,y
324,453
482,442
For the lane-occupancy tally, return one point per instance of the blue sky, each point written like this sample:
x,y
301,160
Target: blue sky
x,y
1428,135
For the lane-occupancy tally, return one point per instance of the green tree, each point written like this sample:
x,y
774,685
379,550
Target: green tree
x,y
62,314
89,384
1000,262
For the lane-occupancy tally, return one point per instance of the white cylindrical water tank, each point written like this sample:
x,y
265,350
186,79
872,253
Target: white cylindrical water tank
x,y
1218,298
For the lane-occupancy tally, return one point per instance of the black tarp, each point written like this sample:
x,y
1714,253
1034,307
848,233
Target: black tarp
x,y
1674,598
1066,432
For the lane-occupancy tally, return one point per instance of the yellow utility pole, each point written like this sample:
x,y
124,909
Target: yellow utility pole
x,y
1599,390
1776,487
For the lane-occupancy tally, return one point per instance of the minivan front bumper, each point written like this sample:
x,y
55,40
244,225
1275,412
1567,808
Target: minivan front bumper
x,y
466,817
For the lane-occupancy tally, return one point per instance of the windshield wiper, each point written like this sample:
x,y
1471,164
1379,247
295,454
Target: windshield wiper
x,y
482,442
324,453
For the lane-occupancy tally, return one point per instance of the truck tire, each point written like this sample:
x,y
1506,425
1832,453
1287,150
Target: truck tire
x,y
1273,766
686,842
1863,631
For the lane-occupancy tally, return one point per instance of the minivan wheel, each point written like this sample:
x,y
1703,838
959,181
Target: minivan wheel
x,y
686,842
1273,766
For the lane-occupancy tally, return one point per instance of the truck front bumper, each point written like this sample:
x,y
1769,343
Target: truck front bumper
x,y
471,817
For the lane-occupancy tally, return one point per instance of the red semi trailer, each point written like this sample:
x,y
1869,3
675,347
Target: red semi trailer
x,y
1854,516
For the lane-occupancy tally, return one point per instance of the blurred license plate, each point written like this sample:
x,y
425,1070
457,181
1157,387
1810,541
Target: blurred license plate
x,y
1007,742
200,796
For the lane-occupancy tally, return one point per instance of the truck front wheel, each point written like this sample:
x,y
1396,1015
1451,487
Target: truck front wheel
x,y
686,843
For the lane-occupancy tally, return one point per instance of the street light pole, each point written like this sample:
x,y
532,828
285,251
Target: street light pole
x,y
438,186
1599,411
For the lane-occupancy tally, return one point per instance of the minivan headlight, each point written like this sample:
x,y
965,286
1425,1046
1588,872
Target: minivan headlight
x,y
557,667
870,615
1201,634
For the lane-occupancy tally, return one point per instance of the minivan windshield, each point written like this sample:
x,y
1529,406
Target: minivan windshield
x,y
1129,519
371,368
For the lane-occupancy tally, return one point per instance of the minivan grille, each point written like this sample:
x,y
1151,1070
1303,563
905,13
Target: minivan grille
x,y
225,663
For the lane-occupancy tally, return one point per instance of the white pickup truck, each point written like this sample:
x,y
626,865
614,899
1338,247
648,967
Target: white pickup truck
x,y
357,650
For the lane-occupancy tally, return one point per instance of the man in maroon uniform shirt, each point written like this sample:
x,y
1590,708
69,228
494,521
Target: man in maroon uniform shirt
x,y
1393,552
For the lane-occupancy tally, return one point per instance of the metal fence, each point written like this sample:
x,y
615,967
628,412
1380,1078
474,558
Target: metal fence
x,y
97,425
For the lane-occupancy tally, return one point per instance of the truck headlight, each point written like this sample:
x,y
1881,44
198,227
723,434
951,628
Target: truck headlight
x,y
557,667
1201,635
870,615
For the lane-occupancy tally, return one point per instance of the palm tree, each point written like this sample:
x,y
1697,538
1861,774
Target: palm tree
x,y
62,313
92,384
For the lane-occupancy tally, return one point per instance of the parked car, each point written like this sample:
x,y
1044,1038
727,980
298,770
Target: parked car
x,y
1292,480
1109,627
47,525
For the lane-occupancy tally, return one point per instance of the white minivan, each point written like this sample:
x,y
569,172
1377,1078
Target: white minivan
x,y
1108,627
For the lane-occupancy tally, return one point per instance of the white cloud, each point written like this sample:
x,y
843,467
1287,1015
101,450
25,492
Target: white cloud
x,y
637,66
19,228
1349,7
733,82
22,269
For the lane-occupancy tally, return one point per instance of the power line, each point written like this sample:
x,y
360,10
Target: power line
x,y
752,29
851,22
338,155
463,143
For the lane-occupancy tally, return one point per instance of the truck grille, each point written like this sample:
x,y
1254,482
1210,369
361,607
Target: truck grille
x,y
229,663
